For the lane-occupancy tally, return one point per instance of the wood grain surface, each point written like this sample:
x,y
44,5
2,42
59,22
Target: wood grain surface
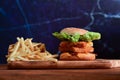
x,y
59,74
100,64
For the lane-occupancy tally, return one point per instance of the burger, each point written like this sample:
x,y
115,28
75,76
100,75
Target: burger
x,y
76,43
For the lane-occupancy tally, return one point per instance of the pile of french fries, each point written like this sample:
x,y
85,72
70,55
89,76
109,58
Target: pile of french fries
x,y
26,50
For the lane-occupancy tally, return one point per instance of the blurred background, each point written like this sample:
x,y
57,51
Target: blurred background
x,y
38,19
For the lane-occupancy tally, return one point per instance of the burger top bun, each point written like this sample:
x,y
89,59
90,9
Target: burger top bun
x,y
73,30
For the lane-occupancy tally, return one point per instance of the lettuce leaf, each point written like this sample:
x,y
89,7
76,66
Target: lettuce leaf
x,y
89,36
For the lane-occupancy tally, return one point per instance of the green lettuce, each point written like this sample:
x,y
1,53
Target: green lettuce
x,y
89,36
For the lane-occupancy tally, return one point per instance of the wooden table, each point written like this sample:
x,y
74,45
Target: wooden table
x,y
59,74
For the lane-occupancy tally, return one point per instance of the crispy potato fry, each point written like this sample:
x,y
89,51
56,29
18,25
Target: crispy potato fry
x,y
26,50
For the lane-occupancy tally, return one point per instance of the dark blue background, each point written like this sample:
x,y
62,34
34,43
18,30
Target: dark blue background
x,y
38,19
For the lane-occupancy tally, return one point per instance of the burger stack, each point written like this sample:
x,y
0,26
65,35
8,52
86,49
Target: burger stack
x,y
76,50
76,43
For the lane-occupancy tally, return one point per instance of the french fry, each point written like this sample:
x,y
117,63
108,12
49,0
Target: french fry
x,y
14,51
26,50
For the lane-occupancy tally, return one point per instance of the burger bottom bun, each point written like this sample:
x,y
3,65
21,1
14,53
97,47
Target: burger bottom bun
x,y
68,56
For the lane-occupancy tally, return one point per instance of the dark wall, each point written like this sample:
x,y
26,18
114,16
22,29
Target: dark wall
x,y
38,19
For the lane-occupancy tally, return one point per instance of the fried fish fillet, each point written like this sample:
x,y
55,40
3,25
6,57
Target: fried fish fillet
x,y
82,50
76,49
81,44
69,56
